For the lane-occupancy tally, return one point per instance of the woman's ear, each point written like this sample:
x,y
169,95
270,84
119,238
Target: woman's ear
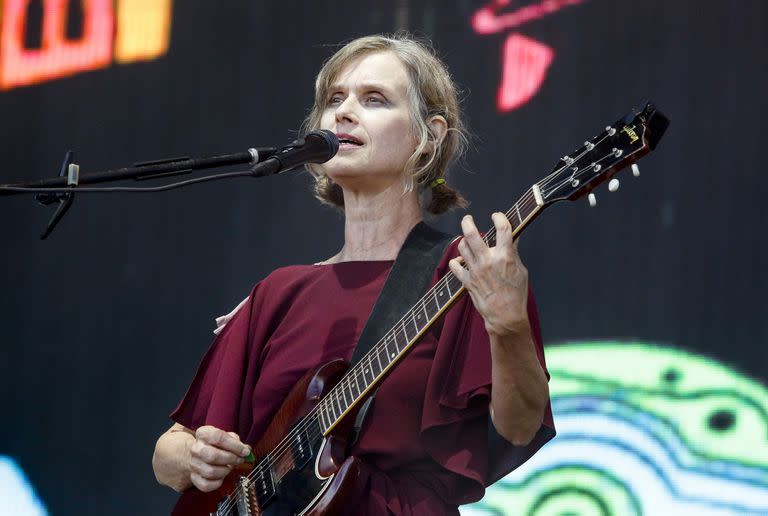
x,y
438,127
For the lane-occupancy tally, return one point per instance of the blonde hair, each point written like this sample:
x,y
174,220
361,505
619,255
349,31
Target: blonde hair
x,y
431,92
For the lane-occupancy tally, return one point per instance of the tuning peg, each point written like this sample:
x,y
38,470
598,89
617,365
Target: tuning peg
x,y
635,170
592,200
613,185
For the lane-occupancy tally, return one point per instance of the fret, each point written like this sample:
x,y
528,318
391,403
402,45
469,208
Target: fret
x,y
378,361
441,294
409,318
437,301
398,338
327,413
392,349
389,344
324,423
352,383
323,415
336,405
381,357
427,317
350,387
422,316
357,373
430,306
455,284
519,218
344,394
369,370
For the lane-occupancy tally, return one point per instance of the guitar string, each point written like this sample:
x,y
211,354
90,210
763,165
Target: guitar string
x,y
283,447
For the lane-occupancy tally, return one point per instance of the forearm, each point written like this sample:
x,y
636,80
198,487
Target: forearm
x,y
171,460
519,391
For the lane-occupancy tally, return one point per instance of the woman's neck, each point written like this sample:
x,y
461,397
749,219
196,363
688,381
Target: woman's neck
x,y
376,226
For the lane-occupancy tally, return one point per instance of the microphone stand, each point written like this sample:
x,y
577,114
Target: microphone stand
x,y
62,189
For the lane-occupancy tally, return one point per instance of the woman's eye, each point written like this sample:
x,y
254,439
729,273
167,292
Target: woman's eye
x,y
374,100
334,100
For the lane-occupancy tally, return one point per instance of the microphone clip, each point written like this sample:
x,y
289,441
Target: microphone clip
x,y
72,172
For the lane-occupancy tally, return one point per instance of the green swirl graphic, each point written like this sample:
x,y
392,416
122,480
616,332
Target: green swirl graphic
x,y
643,429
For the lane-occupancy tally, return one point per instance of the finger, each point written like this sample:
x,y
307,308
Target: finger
x,y
221,439
458,270
214,456
504,237
472,236
203,484
208,471
466,253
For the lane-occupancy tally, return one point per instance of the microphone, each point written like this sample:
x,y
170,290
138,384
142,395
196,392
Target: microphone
x,y
314,147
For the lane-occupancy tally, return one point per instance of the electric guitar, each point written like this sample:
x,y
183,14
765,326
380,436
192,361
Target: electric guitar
x,y
302,466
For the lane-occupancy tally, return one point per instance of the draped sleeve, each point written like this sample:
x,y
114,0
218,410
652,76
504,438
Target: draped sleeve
x,y
455,427
228,371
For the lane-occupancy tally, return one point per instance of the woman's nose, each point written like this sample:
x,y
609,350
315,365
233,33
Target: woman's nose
x,y
346,111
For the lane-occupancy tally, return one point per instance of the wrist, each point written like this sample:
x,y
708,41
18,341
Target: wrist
x,y
509,330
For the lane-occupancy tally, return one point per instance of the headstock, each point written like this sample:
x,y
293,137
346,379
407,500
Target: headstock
x,y
599,159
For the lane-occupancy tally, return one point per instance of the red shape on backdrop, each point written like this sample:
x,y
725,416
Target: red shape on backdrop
x,y
487,19
525,61
524,66
58,56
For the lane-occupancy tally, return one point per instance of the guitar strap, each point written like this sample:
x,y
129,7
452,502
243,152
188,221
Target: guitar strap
x,y
406,283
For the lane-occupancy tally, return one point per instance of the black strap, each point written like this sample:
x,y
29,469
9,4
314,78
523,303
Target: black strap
x,y
406,283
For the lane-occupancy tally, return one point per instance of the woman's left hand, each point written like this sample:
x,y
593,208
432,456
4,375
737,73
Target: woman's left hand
x,y
495,277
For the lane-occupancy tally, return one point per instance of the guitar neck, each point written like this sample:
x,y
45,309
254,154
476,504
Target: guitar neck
x,y
376,364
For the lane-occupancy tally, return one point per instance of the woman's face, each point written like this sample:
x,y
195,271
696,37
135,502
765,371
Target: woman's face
x,y
368,109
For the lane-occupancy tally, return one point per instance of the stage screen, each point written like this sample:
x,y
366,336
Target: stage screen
x,y
653,302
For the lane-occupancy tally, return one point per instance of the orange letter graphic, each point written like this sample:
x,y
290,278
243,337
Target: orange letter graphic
x,y
58,56
143,29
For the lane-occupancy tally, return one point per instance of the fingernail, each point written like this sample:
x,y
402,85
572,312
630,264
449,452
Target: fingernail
x,y
245,452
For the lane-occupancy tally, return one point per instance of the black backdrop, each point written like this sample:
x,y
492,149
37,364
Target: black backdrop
x,y
104,323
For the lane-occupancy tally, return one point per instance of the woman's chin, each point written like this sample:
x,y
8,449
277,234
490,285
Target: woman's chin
x,y
342,175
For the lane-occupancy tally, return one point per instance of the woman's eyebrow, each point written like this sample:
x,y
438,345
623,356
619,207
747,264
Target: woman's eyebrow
x,y
365,86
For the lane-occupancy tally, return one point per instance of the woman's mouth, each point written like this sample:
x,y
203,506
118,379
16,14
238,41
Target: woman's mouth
x,y
348,141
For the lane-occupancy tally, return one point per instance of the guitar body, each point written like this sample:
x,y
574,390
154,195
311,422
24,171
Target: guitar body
x,y
310,478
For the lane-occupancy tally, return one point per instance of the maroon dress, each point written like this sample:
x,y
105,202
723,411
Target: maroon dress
x,y
425,442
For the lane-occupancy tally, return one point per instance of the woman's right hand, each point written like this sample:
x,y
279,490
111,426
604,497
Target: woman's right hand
x,y
212,455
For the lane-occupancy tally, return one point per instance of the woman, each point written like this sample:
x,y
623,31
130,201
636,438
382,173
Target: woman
x,y
425,444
